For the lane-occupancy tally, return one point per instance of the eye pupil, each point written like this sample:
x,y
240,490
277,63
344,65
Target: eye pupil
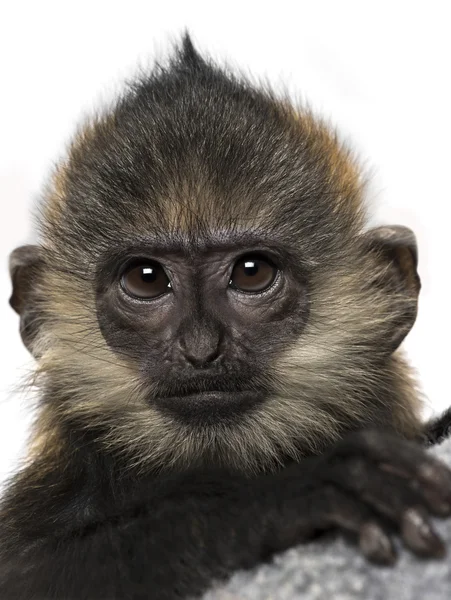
x,y
253,274
250,268
145,281
148,274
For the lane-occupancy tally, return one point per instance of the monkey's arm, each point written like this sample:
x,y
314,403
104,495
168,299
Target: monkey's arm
x,y
174,539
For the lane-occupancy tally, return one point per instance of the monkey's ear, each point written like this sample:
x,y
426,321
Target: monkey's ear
x,y
395,249
25,266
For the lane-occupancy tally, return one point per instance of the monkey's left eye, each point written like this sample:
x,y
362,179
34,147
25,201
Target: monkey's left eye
x,y
253,273
147,280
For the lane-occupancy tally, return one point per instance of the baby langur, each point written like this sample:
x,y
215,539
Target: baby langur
x,y
216,339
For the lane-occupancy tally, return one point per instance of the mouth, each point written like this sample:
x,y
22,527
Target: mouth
x,y
210,406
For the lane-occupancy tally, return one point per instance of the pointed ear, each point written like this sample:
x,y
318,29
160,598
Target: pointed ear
x,y
25,267
395,250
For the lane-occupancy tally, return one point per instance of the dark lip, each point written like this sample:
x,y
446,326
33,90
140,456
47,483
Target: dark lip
x,y
208,394
211,405
200,386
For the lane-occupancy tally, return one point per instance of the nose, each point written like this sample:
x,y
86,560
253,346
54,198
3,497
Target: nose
x,y
200,345
199,357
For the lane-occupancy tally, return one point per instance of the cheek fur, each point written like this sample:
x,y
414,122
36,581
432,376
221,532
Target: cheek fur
x,y
318,386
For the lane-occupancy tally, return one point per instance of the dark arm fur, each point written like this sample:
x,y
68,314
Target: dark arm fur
x,y
162,538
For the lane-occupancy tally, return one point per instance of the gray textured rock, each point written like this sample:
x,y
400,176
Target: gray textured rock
x,y
333,570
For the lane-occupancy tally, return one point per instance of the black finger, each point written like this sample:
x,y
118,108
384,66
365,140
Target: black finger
x,y
406,460
386,493
334,507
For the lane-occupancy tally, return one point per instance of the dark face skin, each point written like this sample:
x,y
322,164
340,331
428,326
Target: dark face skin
x,y
201,320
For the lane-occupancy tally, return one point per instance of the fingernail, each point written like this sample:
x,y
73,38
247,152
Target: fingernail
x,y
376,545
437,474
419,534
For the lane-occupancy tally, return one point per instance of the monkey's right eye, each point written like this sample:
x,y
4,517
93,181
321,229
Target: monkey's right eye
x,y
146,281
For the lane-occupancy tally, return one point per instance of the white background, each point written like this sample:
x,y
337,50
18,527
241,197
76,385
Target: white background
x,y
379,70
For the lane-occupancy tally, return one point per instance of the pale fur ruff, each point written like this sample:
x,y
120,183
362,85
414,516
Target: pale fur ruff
x,y
318,379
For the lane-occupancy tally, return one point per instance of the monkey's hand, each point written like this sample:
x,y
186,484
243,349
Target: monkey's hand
x,y
370,485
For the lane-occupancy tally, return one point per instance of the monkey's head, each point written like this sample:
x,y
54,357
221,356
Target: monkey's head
x,y
204,289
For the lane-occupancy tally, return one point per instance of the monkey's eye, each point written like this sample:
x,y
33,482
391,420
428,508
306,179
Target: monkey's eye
x,y
253,273
146,280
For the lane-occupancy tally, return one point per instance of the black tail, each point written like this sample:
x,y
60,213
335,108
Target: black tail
x,y
438,429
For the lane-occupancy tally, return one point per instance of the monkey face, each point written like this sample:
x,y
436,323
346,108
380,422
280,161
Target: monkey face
x,y
204,288
205,323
